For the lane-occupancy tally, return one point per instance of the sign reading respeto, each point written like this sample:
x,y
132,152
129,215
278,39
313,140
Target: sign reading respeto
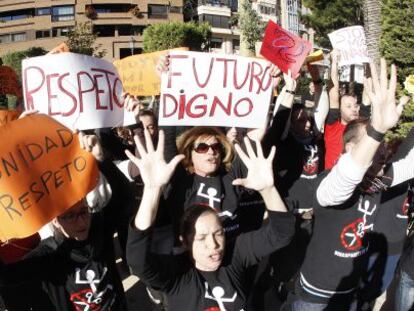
x,y
215,90
350,41
43,172
80,91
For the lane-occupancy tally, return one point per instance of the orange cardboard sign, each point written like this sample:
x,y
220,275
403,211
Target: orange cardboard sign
x,y
9,83
61,48
138,74
7,116
43,172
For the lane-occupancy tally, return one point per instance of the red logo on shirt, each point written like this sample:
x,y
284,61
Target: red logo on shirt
x,y
352,234
86,300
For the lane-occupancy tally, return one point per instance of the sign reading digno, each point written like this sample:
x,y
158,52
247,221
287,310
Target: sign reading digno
x,y
43,172
80,91
215,90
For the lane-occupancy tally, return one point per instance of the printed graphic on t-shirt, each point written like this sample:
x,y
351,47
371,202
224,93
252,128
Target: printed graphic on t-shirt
x,y
352,234
311,163
404,209
94,293
217,295
210,194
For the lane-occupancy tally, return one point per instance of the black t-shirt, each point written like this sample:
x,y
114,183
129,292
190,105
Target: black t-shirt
x,y
190,289
337,254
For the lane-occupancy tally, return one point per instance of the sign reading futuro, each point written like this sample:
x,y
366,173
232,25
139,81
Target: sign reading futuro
x,y
215,90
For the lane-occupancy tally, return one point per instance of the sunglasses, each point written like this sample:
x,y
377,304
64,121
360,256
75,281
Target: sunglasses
x,y
203,148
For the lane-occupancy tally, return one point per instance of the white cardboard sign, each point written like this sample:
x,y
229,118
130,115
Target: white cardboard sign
x,y
79,91
350,41
215,90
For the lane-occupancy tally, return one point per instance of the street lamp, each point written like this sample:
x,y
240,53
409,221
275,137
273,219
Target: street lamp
x,y
132,45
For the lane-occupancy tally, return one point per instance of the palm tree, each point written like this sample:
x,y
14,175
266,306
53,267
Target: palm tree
x,y
372,27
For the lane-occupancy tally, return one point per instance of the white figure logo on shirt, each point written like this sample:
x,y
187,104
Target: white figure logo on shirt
x,y
211,195
218,296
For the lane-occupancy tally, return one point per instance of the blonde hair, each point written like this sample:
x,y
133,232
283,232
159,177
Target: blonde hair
x,y
185,144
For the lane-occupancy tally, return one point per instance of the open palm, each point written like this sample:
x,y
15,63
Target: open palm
x,y
260,172
155,172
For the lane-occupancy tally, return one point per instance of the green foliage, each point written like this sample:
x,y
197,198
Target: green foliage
x,y
14,59
251,25
329,15
164,36
81,39
397,41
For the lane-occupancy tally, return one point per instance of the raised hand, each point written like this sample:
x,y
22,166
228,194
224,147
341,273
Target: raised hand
x,y
155,172
162,64
131,104
385,112
260,171
91,144
290,82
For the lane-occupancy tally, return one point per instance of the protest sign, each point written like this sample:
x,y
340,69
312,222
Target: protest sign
x,y
215,90
61,48
284,49
9,83
7,116
350,41
81,92
43,172
138,74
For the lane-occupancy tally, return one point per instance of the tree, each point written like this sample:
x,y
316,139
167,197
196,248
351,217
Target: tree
x,y
14,59
397,41
329,15
164,36
251,28
81,39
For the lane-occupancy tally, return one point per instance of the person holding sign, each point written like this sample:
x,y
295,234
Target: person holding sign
x,y
204,279
76,266
342,110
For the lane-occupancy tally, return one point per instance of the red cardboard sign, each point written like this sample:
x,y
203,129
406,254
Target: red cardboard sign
x,y
284,49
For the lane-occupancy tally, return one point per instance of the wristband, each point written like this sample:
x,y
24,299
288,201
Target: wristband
x,y
290,92
374,134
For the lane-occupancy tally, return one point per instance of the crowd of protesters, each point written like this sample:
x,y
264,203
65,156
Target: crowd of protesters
x,y
315,210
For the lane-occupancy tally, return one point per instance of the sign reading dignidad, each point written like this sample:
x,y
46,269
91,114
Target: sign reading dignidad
x,y
80,91
215,90
43,172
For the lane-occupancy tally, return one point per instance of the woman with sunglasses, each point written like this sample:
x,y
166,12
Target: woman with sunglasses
x,y
205,280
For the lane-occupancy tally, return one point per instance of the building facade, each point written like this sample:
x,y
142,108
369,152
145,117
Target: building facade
x,y
119,24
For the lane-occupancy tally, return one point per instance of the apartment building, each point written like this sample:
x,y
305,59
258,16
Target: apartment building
x,y
119,24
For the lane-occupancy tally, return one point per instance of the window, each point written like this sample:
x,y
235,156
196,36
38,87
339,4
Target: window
x,y
216,43
104,30
111,8
63,13
236,44
61,31
157,11
217,21
268,10
42,11
16,15
42,34
125,30
14,37
176,9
